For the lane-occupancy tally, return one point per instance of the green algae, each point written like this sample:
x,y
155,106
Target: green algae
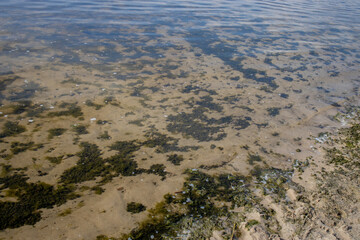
x,y
31,197
164,143
18,147
21,107
80,129
89,166
12,129
55,160
175,159
104,136
134,207
251,223
98,190
195,207
138,122
251,158
90,103
158,169
55,132
273,111
196,125
72,110
66,212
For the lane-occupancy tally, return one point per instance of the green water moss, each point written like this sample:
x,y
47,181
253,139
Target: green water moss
x,y
89,166
21,107
251,158
92,165
175,159
125,148
134,207
251,223
73,111
273,111
196,125
90,103
55,160
157,169
104,136
12,129
66,212
98,190
123,164
55,132
164,143
80,129
18,147
31,198
194,209
137,122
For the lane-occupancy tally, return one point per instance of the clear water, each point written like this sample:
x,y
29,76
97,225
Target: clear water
x,y
225,78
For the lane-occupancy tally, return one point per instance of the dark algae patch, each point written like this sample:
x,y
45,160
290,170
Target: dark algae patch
x,y
80,129
134,207
55,132
12,129
31,197
18,147
73,111
195,207
273,111
196,125
175,159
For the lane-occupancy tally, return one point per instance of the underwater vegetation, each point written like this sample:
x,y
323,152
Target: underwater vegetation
x,y
55,132
134,207
11,129
196,125
175,159
273,111
18,147
164,144
73,110
80,129
31,197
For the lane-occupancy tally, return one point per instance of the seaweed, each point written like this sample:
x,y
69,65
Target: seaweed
x,y
196,125
125,148
164,143
31,198
55,160
175,159
158,169
253,158
137,122
104,136
66,212
251,223
92,165
122,164
134,207
98,190
273,111
80,129
17,147
89,166
89,103
12,129
21,107
73,111
55,132
195,205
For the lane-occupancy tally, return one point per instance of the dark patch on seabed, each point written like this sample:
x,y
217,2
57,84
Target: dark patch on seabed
x,y
211,44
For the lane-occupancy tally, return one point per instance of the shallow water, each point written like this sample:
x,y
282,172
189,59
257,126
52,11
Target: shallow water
x,y
224,79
